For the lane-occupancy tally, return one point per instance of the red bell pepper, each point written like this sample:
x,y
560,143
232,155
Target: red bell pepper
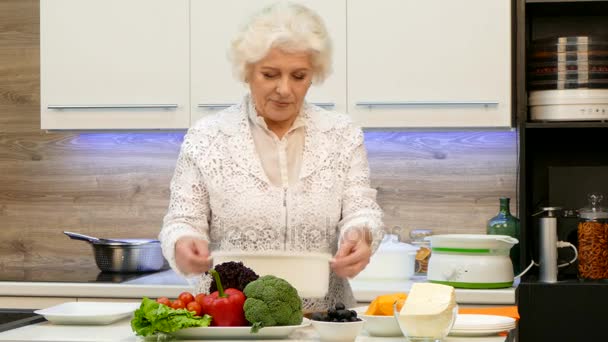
x,y
225,306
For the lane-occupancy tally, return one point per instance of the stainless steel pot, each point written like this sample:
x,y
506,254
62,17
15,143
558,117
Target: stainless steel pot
x,y
124,255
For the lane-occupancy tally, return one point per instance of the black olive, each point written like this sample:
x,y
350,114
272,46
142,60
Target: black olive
x,y
344,314
317,316
353,313
332,313
344,320
354,319
339,306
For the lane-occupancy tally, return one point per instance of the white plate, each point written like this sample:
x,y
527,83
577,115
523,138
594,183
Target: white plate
x,y
471,333
239,332
482,322
79,313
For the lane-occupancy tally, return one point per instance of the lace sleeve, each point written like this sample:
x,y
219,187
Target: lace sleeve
x,y
188,211
359,207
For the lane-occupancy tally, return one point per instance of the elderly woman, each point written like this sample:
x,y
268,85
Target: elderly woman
x,y
275,173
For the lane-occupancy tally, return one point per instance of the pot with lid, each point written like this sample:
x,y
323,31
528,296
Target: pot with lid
x,y
393,260
473,261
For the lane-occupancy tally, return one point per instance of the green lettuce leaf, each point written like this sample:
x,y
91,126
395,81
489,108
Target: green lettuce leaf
x,y
152,318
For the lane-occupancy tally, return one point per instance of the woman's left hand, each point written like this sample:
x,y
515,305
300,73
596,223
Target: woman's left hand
x,y
354,253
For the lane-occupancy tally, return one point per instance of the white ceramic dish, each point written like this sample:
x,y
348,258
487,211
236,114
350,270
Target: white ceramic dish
x,y
93,313
298,268
476,322
334,332
472,333
239,332
379,326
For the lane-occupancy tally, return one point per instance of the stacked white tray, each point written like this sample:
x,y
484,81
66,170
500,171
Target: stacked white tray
x,y
481,325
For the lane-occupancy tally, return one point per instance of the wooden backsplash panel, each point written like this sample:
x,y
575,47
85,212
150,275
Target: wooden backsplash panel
x,y
446,181
116,184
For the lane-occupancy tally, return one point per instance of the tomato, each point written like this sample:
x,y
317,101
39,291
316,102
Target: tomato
x,y
196,307
164,301
186,297
178,304
199,298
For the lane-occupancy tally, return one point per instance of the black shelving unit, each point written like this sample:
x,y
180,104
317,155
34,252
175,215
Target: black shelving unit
x,y
560,163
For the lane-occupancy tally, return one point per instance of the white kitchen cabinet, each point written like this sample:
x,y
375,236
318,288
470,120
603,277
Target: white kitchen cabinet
x,y
114,64
162,64
214,25
431,63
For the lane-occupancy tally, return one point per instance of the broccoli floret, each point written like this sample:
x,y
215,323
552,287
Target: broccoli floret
x,y
272,301
234,275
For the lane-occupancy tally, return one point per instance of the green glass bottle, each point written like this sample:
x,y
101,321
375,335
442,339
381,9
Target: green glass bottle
x,y
506,224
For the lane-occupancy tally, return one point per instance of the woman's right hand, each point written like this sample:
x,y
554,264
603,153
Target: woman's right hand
x,y
192,255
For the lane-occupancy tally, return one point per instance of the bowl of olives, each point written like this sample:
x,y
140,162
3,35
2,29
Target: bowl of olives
x,y
337,323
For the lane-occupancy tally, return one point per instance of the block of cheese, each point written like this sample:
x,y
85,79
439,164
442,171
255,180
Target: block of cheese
x,y
429,311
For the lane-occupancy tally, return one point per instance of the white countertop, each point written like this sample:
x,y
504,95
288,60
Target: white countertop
x,y
121,332
169,284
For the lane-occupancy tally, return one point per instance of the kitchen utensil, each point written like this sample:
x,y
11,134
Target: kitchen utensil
x,y
308,272
548,244
393,260
547,231
82,237
471,260
125,255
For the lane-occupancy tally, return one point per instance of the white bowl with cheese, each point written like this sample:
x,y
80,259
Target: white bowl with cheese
x,y
429,312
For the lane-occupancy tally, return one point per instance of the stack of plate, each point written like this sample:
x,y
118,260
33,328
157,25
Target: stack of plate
x,y
568,63
481,325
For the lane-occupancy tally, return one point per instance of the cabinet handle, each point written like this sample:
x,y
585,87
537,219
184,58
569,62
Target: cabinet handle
x,y
324,104
425,103
114,106
215,105
226,105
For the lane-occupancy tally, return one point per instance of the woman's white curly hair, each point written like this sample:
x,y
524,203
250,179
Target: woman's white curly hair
x,y
288,26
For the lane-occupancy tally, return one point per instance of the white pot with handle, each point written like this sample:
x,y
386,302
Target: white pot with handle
x,y
474,261
393,260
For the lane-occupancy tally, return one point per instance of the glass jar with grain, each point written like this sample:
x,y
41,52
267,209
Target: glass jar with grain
x,y
593,240
423,253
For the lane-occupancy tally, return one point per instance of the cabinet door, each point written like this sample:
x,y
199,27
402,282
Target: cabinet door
x,y
114,64
432,63
214,25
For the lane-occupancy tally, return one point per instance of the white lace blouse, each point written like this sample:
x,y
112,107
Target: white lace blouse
x,y
221,193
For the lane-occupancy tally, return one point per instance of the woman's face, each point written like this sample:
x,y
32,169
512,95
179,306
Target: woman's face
x,y
278,85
